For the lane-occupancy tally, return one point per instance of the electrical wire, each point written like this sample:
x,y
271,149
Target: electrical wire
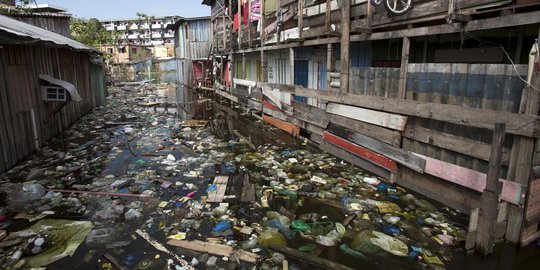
x,y
482,42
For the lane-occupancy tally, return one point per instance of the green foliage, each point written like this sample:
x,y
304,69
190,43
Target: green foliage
x,y
89,32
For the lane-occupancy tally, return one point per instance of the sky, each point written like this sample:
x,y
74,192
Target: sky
x,y
120,9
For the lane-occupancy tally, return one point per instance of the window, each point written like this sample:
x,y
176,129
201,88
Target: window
x,y
53,93
110,50
133,50
122,50
281,72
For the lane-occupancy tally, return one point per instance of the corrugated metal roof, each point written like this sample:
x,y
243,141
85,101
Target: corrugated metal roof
x,y
35,33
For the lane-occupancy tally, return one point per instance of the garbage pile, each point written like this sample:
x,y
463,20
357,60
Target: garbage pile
x,y
139,189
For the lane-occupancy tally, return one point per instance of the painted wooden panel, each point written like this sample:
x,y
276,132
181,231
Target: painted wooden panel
x,y
388,120
511,191
533,202
287,127
375,158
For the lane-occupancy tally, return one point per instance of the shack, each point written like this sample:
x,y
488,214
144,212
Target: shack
x,y
47,81
413,97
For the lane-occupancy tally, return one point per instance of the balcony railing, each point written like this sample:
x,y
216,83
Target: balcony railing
x,y
133,27
121,27
157,26
133,36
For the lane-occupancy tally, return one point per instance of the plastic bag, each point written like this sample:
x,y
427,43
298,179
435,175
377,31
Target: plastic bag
x,y
271,237
390,244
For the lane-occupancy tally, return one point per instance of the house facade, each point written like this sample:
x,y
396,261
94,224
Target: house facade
x,y
429,84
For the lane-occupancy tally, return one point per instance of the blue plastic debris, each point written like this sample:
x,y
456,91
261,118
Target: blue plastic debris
x,y
275,223
211,188
222,226
391,230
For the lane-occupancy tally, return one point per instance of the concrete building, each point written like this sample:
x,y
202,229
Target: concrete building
x,y
138,31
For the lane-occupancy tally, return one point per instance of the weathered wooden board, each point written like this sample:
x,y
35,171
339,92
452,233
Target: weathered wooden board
x,y
373,157
520,124
386,135
533,203
450,142
287,127
227,95
215,249
218,194
399,155
512,192
310,114
382,119
270,94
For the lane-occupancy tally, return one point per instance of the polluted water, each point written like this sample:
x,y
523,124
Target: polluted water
x,y
136,187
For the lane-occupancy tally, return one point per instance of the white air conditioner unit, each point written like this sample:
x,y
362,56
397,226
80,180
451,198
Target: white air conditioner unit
x,y
53,93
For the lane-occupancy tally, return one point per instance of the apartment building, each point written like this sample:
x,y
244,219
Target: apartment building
x,y
141,31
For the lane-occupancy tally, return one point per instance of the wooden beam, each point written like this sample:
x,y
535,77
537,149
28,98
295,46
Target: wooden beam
x,y
511,192
454,143
215,249
291,64
310,114
287,127
300,15
403,70
330,63
250,42
264,66
273,26
382,119
398,155
244,73
355,160
328,16
240,25
432,187
217,195
524,152
487,219
360,151
263,26
310,259
525,125
345,45
388,136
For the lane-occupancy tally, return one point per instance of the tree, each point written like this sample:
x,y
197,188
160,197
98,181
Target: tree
x,y
149,20
89,32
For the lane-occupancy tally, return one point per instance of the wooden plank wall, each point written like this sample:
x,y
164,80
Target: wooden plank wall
x,y
20,66
374,81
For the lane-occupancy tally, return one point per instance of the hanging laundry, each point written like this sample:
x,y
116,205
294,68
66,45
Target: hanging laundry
x,y
255,10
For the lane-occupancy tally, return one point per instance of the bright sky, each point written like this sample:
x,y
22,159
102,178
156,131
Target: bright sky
x,y
118,9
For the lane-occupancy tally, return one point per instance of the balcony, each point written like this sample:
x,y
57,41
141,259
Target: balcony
x,y
168,35
133,36
109,27
145,26
157,26
133,27
121,28
157,35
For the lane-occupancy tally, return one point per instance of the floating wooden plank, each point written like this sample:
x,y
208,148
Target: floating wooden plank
x,y
519,124
399,155
310,259
149,104
218,194
382,119
310,114
373,157
162,248
451,142
215,249
512,192
287,127
248,190
194,123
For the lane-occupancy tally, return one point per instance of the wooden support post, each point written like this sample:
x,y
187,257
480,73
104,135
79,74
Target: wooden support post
x,y
231,68
345,44
330,64
300,15
244,73
250,42
224,37
487,219
291,62
521,159
328,16
263,34
231,18
402,88
264,66
240,25
222,70
369,14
